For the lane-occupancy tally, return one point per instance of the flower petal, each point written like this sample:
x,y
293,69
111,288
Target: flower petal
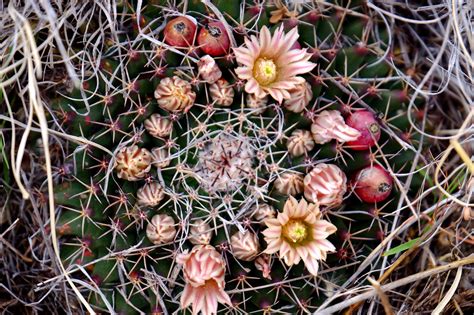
x,y
243,73
312,265
188,296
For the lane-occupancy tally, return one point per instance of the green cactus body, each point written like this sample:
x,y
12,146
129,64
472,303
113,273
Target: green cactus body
x,y
218,162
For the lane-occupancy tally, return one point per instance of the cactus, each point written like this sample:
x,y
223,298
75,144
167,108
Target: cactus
x,y
187,156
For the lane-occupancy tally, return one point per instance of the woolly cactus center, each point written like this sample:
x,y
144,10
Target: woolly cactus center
x,y
225,163
296,232
265,71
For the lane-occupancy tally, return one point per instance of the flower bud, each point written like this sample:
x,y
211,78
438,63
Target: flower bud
x,y
132,163
289,184
208,69
263,211
300,96
262,263
222,92
160,157
256,103
330,125
158,126
200,233
300,142
325,184
175,94
245,245
150,195
161,229
204,275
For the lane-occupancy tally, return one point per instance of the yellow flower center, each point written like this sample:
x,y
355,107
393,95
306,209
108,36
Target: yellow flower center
x,y
265,71
295,231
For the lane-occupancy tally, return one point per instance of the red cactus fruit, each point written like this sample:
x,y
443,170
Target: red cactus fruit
x,y
369,129
372,184
213,39
180,32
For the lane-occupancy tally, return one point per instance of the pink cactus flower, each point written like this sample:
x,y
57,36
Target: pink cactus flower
x,y
298,233
270,64
326,184
204,271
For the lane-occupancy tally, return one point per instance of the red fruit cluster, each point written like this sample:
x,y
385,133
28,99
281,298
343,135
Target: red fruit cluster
x,y
213,40
372,183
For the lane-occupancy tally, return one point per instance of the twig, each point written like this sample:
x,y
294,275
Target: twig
x,y
383,297
447,298
395,284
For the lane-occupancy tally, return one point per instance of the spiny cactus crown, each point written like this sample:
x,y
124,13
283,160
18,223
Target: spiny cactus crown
x,y
222,137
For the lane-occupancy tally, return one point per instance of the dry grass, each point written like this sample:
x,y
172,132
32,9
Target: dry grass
x,y
435,48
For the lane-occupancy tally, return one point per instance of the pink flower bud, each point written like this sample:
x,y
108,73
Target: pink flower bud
x,y
300,96
300,142
262,263
204,271
161,229
325,184
256,103
263,211
330,125
208,69
245,245
200,233
174,94
222,92
289,184
150,195
160,157
158,126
